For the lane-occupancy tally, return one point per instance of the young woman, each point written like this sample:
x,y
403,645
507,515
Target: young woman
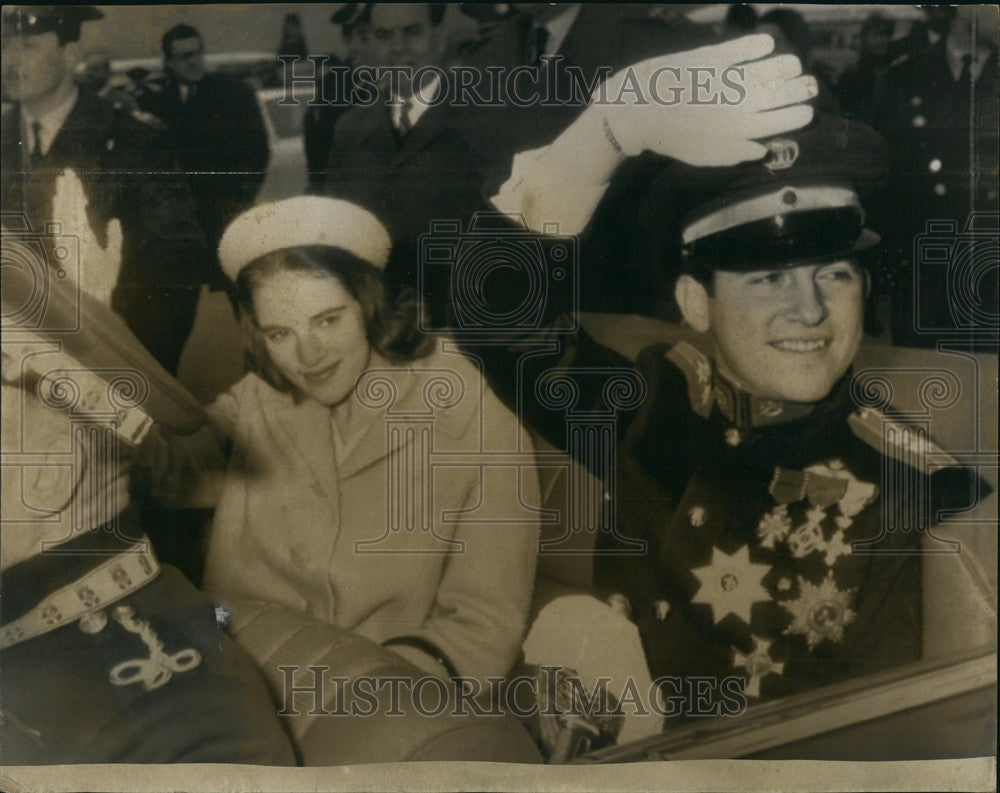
x,y
362,492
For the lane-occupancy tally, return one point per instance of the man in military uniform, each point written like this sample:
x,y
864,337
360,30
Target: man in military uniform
x,y
748,534
136,202
106,655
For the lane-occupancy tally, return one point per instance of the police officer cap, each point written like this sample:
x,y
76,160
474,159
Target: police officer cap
x,y
34,20
803,202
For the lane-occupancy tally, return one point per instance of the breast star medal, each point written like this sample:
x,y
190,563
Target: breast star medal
x,y
731,584
821,612
774,526
758,664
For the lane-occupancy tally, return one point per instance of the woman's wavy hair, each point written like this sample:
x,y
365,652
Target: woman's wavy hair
x,y
392,322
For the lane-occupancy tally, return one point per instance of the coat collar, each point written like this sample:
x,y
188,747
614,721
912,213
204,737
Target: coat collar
x,y
442,388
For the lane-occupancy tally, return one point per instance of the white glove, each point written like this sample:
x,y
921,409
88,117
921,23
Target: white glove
x,y
99,265
714,122
645,107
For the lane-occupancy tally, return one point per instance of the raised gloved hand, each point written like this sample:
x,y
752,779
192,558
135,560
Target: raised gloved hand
x,y
99,264
705,107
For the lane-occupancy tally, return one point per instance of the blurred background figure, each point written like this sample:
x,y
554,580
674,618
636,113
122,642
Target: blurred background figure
x,y
939,110
94,75
402,158
860,84
137,205
216,132
741,19
291,50
293,38
793,36
338,84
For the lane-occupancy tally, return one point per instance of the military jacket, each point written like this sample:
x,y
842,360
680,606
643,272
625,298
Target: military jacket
x,y
765,553
747,534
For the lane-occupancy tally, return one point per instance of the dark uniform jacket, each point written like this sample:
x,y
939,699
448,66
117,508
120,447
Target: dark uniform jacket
x,y
219,139
734,517
943,166
128,174
58,696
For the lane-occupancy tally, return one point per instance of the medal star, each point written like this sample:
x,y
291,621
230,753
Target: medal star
x,y
836,548
758,664
821,612
731,584
774,526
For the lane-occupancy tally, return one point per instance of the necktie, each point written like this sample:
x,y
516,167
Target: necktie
x,y
36,143
965,76
405,125
541,39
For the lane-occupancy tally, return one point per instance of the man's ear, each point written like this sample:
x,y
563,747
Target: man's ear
x,y
692,299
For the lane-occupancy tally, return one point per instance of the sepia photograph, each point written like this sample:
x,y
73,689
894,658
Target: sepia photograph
x,y
499,396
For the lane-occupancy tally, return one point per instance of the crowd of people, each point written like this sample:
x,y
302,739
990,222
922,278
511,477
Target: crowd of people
x,y
413,342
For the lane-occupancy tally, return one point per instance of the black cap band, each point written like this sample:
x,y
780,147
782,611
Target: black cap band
x,y
782,240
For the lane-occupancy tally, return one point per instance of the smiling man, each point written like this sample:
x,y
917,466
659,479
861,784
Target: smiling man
x,y
744,498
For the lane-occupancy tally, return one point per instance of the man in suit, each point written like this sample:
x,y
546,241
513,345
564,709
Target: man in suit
x,y
216,132
129,191
434,166
320,120
406,157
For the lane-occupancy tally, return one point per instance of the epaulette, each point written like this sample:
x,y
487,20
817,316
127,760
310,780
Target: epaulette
x,y
906,443
697,369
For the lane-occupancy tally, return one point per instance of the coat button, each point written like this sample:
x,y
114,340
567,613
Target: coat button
x,y
733,437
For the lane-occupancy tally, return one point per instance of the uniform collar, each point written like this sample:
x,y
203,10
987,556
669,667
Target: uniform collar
x,y
746,410
708,389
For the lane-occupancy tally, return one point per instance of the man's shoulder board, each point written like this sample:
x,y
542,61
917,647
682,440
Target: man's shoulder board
x,y
907,443
697,370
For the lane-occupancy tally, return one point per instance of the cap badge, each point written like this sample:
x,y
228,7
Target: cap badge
x,y
783,154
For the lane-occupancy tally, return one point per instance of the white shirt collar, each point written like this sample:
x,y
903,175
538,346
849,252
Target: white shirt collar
x,y
51,122
955,55
558,28
417,104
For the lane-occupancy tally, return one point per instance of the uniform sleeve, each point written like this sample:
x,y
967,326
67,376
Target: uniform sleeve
x,y
480,614
544,188
186,470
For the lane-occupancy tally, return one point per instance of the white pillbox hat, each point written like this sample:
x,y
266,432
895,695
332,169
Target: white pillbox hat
x,y
302,221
